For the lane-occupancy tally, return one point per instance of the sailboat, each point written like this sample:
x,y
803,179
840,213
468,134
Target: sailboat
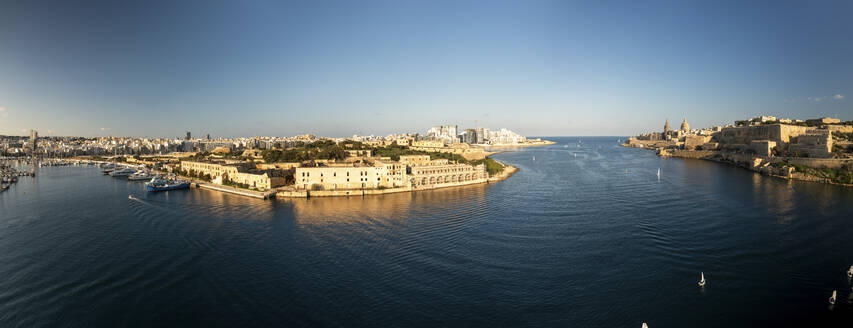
x,y
702,281
658,173
850,272
576,155
645,325
832,298
534,158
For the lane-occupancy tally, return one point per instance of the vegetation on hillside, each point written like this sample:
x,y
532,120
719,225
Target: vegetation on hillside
x,y
842,175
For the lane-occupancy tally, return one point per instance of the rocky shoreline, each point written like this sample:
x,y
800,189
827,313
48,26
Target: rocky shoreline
x,y
789,168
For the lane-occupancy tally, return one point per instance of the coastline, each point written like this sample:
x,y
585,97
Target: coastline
x,y
763,165
508,171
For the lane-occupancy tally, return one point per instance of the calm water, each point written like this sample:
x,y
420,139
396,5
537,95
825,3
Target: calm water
x,y
588,241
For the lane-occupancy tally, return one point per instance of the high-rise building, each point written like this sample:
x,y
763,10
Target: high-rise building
x,y
470,136
480,136
447,133
34,136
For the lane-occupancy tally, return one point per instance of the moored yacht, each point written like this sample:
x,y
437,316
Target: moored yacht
x,y
140,176
122,172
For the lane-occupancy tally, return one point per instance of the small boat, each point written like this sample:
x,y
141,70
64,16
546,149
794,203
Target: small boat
x,y
832,298
129,196
702,280
160,184
576,155
850,271
534,158
658,173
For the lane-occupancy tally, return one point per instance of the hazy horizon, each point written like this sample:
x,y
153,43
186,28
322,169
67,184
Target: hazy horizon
x,y
547,68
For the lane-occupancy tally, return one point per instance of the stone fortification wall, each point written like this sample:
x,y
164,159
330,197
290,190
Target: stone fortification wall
x,y
780,133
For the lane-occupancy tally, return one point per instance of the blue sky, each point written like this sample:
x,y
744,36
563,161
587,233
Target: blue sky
x,y
229,68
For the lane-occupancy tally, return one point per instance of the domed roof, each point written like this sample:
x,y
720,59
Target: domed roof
x,y
684,126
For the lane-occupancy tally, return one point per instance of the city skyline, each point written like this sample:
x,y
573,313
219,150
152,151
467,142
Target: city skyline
x,y
338,69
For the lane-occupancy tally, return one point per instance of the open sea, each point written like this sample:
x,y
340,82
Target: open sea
x,y
584,235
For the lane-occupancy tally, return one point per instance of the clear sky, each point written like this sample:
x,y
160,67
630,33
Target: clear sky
x,y
243,68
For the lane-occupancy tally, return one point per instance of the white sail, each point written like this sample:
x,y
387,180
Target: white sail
x,y
658,173
850,272
645,325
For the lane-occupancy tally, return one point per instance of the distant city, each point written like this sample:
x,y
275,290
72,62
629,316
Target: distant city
x,y
69,146
819,149
298,166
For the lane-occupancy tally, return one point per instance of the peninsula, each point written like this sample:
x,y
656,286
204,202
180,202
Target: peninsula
x,y
819,150
298,166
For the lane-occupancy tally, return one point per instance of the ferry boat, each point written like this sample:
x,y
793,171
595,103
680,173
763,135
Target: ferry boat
x,y
160,184
122,172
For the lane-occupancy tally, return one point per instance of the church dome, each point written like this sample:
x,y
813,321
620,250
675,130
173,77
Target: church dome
x,y
684,126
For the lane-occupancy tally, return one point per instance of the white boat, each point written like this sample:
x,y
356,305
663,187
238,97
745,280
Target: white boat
x,y
576,155
850,271
122,172
534,158
702,280
832,298
129,196
140,176
658,173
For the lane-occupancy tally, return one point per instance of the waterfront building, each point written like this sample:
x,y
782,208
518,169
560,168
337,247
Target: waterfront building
x,y
222,172
335,176
439,173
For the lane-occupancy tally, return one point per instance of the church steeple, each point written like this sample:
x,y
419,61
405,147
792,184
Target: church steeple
x,y
666,126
